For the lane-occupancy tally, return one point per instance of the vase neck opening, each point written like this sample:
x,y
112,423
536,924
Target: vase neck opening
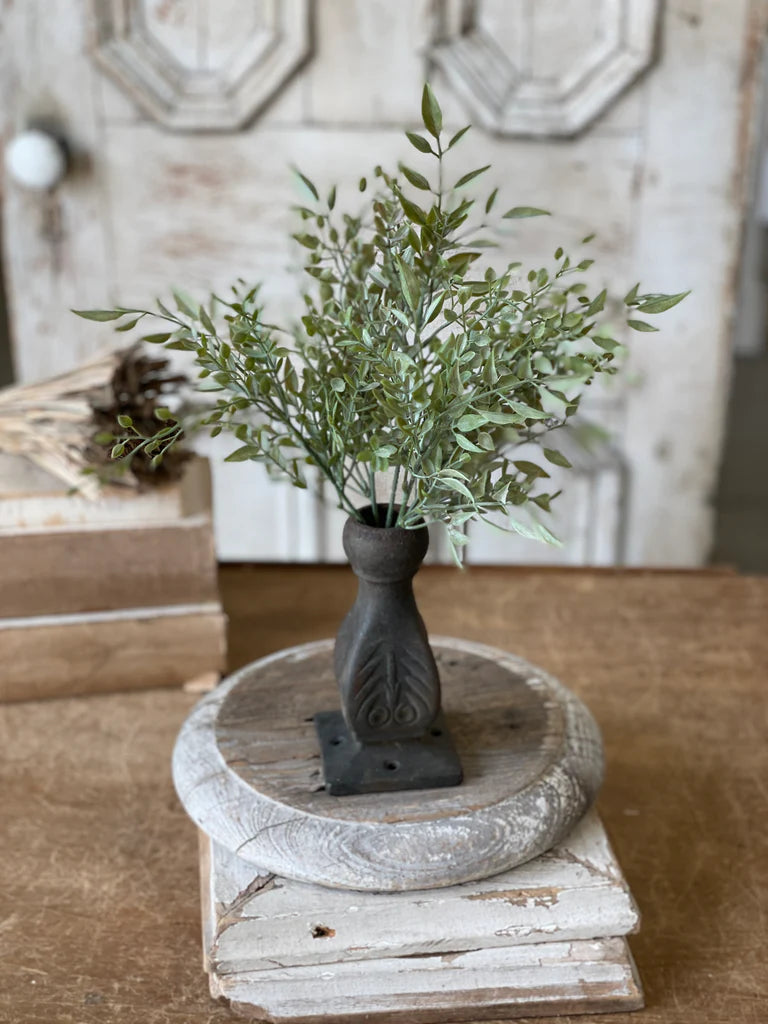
x,y
382,554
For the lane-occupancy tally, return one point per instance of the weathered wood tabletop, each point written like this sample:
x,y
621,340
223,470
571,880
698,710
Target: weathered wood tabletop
x,y
99,913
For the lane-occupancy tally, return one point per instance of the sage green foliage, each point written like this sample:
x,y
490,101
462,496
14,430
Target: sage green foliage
x,y
406,360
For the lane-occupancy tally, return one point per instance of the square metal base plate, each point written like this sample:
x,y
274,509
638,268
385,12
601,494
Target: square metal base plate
x,y
350,767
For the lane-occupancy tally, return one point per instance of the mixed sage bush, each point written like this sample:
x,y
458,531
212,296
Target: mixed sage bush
x,y
406,361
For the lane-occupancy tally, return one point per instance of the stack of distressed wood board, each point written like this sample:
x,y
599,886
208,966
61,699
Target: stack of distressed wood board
x,y
544,938
116,593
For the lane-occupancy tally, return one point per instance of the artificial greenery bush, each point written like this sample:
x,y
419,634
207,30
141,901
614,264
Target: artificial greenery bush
x,y
406,361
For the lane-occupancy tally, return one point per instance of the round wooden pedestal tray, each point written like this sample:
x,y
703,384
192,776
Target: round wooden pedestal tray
x,y
247,768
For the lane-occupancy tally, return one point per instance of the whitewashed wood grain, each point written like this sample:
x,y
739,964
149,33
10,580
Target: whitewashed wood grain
x,y
350,48
516,981
246,767
56,245
31,498
676,410
260,921
205,67
659,176
539,68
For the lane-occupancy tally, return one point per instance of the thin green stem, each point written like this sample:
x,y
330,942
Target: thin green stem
x,y
392,496
372,496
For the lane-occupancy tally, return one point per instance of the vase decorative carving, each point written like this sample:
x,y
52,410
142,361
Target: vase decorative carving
x,y
389,683
390,733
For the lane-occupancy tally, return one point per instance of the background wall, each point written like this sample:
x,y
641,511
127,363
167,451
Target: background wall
x,y
6,367
627,117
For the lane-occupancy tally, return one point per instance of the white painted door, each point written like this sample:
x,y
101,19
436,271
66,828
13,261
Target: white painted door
x,y
183,118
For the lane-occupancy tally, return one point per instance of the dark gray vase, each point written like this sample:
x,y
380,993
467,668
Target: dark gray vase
x,y
387,676
392,734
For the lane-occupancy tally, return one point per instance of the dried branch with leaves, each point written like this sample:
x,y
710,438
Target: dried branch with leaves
x,y
62,424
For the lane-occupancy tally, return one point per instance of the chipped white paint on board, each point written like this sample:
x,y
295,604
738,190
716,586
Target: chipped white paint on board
x,y
544,937
659,175
247,769
261,921
534,980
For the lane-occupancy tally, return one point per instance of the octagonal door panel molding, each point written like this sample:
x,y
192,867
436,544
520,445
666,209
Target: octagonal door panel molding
x,y
542,67
211,65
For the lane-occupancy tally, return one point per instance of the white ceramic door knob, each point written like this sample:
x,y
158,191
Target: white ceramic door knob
x,y
36,159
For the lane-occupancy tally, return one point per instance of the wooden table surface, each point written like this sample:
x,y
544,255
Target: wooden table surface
x,y
99,917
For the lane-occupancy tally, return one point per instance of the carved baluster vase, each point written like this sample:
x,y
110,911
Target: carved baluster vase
x,y
391,733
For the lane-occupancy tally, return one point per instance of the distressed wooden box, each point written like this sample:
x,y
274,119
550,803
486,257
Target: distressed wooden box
x,y
112,594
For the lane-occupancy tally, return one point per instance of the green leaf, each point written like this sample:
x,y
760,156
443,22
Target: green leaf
x,y
419,142
338,384
410,283
385,451
534,531
163,414
431,114
100,315
125,421
156,339
416,179
491,200
542,500
661,303
517,212
530,468
454,474
471,175
458,136
641,325
117,451
434,308
307,183
457,485
332,197
471,421
184,304
556,458
308,241
597,305
206,321
248,451
527,411
129,325
466,444
631,295
606,344
588,238
502,419
411,210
